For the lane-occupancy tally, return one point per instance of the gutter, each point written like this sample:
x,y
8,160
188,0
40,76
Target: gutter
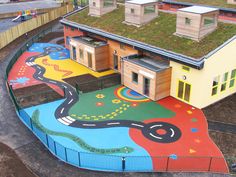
x,y
231,10
183,59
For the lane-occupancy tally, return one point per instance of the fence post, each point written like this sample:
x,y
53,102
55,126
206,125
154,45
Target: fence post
x,y
79,159
65,153
31,125
47,140
167,164
209,168
123,163
55,148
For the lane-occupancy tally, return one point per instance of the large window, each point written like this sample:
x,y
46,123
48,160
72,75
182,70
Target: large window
x,y
149,9
107,3
215,85
209,21
187,21
232,78
135,77
81,54
224,82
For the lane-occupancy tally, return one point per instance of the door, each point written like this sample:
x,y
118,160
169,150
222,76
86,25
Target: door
x,y
184,90
74,53
146,86
115,61
90,61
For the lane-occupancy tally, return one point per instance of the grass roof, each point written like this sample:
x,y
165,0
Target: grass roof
x,y
158,32
219,3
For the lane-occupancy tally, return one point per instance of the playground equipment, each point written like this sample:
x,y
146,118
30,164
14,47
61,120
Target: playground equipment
x,y
25,15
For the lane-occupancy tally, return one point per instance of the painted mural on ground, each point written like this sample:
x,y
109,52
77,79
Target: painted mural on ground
x,y
157,135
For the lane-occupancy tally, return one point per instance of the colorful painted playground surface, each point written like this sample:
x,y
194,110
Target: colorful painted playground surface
x,y
113,129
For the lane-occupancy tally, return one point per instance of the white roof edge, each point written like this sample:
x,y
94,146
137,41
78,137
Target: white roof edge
x,y
198,9
141,1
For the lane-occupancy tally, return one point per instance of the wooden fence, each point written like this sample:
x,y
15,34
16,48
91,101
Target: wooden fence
x,y
11,34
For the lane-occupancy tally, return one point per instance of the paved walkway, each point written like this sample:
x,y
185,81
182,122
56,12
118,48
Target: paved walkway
x,y
15,7
38,158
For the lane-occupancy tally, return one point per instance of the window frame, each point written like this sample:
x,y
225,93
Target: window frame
x,y
149,11
187,21
81,53
232,78
224,81
185,68
106,3
215,86
133,74
132,10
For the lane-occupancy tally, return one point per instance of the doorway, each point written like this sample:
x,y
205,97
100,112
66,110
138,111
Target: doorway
x,y
74,53
115,61
146,86
184,90
90,62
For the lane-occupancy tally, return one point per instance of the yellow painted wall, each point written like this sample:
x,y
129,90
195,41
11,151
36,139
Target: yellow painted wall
x,y
224,60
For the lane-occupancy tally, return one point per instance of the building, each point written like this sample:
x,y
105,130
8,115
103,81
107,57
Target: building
x,y
139,12
92,53
196,22
100,7
156,63
231,1
4,1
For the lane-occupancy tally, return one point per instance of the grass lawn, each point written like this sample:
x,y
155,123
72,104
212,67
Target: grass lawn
x,y
158,33
220,3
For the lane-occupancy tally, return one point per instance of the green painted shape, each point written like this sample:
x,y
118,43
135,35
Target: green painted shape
x,y
87,106
194,120
77,140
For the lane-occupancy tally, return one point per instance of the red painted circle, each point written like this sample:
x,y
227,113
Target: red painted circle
x,y
161,131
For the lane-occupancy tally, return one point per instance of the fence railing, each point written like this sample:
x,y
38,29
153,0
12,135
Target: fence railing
x,y
98,84
104,162
11,34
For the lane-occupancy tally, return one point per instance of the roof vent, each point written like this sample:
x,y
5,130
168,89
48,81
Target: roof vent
x,y
100,7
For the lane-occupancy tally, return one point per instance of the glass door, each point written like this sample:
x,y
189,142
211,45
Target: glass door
x,y
184,90
115,61
90,62
146,86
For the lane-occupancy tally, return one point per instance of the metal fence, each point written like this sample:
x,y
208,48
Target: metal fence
x,y
89,160
98,84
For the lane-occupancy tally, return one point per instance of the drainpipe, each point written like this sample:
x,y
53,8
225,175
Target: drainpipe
x,y
122,70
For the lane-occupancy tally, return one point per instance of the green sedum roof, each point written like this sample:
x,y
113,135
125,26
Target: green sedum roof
x,y
219,3
158,32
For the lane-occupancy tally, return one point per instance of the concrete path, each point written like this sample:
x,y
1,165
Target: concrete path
x,y
5,24
38,158
15,7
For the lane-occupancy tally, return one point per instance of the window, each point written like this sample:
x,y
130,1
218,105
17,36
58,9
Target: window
x,y
67,40
215,85
187,21
72,29
149,9
107,3
132,11
122,46
135,77
94,4
81,54
209,21
224,82
232,78
185,68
